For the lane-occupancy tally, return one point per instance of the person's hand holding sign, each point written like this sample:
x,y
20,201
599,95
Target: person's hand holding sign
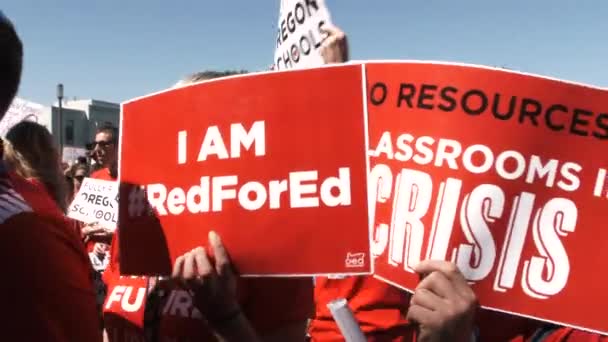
x,y
443,304
214,286
334,48
97,233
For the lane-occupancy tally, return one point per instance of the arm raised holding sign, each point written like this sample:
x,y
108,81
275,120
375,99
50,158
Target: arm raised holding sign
x,y
334,48
443,304
214,285
97,233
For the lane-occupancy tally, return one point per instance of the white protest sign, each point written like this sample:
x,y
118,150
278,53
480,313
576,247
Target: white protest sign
x,y
96,201
71,154
300,34
18,111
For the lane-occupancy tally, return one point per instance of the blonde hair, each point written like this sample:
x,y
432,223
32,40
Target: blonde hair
x,y
29,150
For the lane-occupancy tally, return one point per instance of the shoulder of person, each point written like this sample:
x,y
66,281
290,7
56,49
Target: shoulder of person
x,y
11,203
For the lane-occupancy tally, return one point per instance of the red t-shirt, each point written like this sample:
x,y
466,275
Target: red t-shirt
x,y
47,289
103,174
269,304
378,307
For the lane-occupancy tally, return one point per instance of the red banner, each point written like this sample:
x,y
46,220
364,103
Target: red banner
x,y
503,174
275,163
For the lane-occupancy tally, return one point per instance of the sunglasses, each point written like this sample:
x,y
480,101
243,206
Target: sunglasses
x,y
79,178
102,144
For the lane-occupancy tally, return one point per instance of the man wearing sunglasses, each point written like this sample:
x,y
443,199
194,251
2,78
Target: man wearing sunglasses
x,y
105,152
104,149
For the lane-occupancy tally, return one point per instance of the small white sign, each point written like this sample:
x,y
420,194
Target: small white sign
x,y
300,34
71,154
20,110
96,202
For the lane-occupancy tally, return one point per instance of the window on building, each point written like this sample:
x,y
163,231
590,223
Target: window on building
x,y
69,132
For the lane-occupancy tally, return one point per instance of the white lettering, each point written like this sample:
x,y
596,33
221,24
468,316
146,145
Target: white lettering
x,y
220,193
297,189
341,184
240,137
213,144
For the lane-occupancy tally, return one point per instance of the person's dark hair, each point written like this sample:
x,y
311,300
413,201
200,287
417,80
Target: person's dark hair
x,y
11,63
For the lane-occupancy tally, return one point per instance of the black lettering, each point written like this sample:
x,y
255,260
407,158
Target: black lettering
x,y
322,33
464,102
287,59
372,94
107,216
406,96
300,15
425,95
446,95
309,4
279,38
291,23
526,111
549,117
578,119
601,121
91,198
283,30
295,53
277,65
305,50
496,105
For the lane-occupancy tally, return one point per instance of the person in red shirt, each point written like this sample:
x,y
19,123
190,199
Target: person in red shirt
x,y
47,289
105,151
167,310
274,309
388,314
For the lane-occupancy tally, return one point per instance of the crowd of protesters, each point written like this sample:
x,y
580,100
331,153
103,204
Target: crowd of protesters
x,y
49,294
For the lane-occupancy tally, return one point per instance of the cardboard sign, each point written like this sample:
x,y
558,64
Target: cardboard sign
x,y
71,154
18,111
502,173
275,163
96,202
300,33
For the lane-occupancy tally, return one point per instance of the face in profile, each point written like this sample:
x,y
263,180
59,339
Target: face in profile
x,y
104,149
79,176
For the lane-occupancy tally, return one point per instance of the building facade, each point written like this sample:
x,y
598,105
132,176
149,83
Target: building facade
x,y
78,122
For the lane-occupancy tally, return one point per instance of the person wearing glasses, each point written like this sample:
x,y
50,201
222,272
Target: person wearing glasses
x,y
105,151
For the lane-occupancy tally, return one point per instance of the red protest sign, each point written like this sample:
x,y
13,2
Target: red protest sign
x,y
499,172
275,163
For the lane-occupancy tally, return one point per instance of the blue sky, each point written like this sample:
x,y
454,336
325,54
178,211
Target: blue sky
x,y
115,50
